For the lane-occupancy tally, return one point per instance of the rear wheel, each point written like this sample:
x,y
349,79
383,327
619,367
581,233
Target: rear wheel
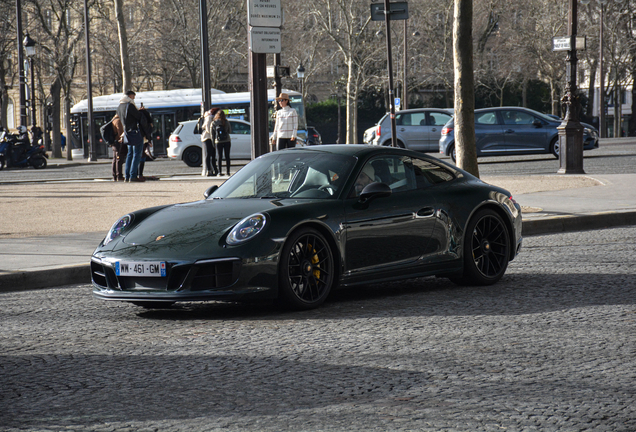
x,y
38,162
453,153
486,249
555,148
192,157
307,270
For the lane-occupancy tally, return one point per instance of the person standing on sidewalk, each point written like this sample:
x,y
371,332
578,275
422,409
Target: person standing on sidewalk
x,y
221,130
286,125
209,150
132,135
120,150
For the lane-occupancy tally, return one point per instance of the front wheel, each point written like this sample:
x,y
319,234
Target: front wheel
x,y
38,162
193,157
307,270
486,249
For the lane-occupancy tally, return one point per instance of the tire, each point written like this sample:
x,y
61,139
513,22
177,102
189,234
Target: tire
x,y
38,162
193,157
486,249
2,163
555,148
453,153
306,271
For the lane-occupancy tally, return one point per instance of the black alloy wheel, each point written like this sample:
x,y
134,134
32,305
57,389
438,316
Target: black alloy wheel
x,y
193,157
307,270
486,249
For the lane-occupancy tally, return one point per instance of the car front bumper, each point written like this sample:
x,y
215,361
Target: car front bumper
x,y
224,279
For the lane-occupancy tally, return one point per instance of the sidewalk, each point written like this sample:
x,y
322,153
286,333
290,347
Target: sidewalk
x,y
47,261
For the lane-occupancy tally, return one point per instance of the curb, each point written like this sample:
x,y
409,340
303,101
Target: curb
x,y
80,273
572,223
39,279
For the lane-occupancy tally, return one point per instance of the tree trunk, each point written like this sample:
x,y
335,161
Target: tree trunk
x,y
524,93
632,118
56,142
123,46
351,105
464,87
589,109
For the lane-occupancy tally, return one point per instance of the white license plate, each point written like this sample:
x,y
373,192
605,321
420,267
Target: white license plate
x,y
146,268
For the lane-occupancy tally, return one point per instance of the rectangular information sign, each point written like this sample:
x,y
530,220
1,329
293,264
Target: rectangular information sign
x,y
265,40
264,13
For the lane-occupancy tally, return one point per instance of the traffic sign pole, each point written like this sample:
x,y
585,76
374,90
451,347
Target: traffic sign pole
x,y
387,22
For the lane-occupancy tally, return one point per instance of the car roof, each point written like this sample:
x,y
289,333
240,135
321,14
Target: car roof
x,y
187,122
357,150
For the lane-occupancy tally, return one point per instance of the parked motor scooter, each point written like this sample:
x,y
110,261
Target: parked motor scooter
x,y
16,152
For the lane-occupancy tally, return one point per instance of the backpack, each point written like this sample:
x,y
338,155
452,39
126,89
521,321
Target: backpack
x,y
220,132
108,133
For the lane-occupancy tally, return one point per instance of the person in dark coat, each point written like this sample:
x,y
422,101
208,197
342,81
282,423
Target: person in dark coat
x,y
221,130
132,135
120,150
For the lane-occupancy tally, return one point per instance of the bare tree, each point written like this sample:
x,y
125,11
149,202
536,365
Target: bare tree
x,y
464,87
7,48
61,37
346,24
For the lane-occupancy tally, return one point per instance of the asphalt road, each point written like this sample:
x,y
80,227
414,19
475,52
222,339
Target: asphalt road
x,y
611,158
549,348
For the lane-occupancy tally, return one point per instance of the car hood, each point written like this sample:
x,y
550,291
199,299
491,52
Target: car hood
x,y
192,223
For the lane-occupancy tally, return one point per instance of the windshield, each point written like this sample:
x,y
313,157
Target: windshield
x,y
289,174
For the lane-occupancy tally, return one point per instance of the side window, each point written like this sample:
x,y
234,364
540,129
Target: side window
x,y
514,117
394,171
240,128
427,173
487,118
438,119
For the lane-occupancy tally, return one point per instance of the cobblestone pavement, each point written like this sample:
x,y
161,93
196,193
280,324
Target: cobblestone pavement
x,y
551,347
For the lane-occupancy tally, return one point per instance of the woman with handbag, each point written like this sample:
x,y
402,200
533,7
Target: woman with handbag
x,y
209,150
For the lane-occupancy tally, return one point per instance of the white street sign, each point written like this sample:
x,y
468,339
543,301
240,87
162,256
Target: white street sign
x,y
264,13
564,43
265,40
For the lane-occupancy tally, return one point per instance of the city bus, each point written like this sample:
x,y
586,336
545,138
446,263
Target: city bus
x,y
168,109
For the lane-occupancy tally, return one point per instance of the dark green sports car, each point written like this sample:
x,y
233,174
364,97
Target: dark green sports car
x,y
295,224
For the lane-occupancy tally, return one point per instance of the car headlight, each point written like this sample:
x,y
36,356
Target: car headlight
x,y
246,229
117,228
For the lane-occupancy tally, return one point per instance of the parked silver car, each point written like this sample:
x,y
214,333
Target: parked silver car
x,y
416,129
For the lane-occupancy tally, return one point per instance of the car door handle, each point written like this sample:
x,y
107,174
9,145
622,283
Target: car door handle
x,y
434,130
509,131
402,129
425,212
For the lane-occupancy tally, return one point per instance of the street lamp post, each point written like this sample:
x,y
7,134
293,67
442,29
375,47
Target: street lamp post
x,y
29,45
571,131
300,73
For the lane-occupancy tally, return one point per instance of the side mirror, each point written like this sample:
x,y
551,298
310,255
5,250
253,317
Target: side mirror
x,y
537,123
210,191
375,190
